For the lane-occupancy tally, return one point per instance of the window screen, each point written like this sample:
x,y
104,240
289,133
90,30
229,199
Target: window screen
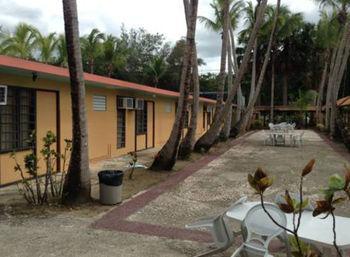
x,y
141,120
17,119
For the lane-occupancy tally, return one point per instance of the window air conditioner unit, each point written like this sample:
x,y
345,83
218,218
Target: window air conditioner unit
x,y
126,103
3,95
139,104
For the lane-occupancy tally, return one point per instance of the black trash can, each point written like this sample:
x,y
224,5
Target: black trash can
x,y
111,183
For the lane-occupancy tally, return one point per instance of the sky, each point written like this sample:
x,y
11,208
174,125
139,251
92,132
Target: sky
x,y
156,16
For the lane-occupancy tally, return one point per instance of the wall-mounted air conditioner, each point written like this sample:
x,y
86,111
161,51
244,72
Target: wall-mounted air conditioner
x,y
139,104
3,95
125,103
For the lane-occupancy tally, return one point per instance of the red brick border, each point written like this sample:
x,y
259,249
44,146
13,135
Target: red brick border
x,y
116,218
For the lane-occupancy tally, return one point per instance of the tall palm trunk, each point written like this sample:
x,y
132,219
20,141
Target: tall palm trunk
x,y
253,81
329,89
272,100
321,89
222,74
187,144
342,60
235,68
166,157
77,185
228,120
248,114
210,137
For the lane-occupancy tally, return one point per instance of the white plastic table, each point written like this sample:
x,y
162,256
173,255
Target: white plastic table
x,y
313,230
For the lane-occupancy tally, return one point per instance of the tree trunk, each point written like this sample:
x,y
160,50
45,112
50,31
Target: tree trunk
x,y
210,137
77,185
222,74
92,66
329,89
235,68
272,87
285,86
321,89
343,55
225,134
166,157
248,114
253,81
187,144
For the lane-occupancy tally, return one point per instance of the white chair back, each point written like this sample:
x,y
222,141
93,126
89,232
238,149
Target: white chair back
x,y
260,228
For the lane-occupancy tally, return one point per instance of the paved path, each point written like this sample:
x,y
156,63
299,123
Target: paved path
x,y
152,223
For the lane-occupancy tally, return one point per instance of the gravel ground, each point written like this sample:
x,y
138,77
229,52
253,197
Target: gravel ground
x,y
208,191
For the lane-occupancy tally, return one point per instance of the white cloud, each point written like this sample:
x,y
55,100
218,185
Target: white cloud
x,y
162,16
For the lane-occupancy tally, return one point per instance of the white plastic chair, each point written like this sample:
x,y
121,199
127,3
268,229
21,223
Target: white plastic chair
x,y
261,230
298,139
268,138
222,235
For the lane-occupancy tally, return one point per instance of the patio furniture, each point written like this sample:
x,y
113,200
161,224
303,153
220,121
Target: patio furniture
x,y
313,230
220,231
268,138
298,139
261,230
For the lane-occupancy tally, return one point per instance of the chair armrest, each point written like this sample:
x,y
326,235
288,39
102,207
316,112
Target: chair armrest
x,y
203,222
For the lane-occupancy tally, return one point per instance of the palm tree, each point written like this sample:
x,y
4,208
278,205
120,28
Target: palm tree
x,y
210,137
92,47
247,116
77,185
339,62
156,69
62,57
114,54
21,43
47,47
166,157
287,24
187,144
326,37
217,25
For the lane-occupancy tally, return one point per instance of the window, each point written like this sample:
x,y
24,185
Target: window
x,y
3,95
141,120
120,128
99,103
17,119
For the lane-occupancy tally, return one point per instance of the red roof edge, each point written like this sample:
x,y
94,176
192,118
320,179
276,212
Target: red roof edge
x,y
21,64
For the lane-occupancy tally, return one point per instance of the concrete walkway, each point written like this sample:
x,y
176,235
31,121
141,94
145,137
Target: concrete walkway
x,y
152,223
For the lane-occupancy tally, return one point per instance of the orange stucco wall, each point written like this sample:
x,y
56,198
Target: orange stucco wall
x,y
102,125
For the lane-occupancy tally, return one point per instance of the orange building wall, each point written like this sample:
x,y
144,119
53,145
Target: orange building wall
x,y
102,125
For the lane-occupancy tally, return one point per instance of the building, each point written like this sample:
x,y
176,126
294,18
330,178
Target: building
x,y
122,116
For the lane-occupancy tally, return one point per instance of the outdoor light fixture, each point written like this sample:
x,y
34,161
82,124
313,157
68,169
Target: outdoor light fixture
x,y
34,76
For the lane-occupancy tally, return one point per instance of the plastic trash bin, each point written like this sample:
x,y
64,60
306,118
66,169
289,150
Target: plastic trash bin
x,y
111,183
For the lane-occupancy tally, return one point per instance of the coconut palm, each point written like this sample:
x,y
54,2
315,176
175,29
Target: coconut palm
x,y
47,47
210,137
156,69
326,38
77,186
166,157
114,54
92,47
62,58
339,62
21,43
249,112
287,24
217,25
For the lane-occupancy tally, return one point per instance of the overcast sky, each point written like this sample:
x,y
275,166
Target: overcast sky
x,y
163,16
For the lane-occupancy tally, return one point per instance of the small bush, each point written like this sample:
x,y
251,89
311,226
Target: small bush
x,y
257,124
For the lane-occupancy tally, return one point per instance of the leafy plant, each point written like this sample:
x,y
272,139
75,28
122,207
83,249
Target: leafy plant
x,y
337,191
132,163
260,182
35,188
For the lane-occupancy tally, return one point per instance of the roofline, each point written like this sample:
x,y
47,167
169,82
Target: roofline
x,y
21,64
